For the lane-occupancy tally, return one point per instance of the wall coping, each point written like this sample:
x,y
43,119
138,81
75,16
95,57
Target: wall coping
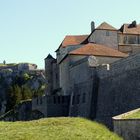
x,y
121,117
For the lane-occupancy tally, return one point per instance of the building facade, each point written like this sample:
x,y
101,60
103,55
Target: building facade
x,y
94,76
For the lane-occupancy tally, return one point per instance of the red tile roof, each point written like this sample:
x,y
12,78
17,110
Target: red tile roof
x,y
126,29
105,26
73,40
97,50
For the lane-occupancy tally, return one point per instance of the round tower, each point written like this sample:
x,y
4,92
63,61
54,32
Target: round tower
x,y
49,73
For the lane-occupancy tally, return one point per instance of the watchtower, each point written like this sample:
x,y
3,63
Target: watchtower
x,y
49,60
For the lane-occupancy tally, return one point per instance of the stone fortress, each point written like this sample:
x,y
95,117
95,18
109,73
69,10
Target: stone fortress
x,y
96,76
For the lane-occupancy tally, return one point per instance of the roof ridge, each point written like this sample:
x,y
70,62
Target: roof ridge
x,y
77,35
105,25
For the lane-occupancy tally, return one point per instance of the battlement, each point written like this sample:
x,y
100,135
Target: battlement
x,y
52,105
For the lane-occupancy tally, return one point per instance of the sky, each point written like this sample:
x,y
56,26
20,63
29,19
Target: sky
x,y
31,29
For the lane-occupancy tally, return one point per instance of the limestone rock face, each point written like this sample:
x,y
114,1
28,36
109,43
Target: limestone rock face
x,y
22,76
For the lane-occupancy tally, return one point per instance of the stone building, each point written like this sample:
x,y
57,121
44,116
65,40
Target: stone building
x,y
129,38
94,76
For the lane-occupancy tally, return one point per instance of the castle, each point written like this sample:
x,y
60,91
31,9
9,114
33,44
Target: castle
x,y
95,76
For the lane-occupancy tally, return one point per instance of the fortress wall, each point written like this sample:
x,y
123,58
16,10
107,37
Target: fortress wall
x,y
64,70
127,128
40,104
64,75
58,106
80,72
84,81
52,106
81,99
55,75
106,60
81,78
119,89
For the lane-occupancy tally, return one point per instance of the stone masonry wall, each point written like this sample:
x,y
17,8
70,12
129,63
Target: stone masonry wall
x,y
105,37
82,82
129,129
52,106
119,89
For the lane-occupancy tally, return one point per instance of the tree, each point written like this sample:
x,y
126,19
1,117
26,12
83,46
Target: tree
x,y
26,92
14,96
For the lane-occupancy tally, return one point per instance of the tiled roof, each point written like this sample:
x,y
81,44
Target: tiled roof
x,y
97,50
73,40
126,29
105,26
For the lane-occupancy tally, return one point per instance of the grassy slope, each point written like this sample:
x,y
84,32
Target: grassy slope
x,y
135,115
55,129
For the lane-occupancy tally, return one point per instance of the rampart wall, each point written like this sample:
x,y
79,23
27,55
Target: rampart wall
x,y
128,128
52,106
119,89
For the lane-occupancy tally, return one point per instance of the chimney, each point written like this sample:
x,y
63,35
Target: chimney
x,y
92,26
133,24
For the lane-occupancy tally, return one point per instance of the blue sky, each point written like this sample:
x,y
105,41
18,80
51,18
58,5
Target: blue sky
x,y
30,29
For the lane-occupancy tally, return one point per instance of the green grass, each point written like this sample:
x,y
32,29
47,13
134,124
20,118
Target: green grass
x,y
55,129
135,115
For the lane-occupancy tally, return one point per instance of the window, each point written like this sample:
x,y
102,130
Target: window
x,y
37,101
107,33
54,100
40,100
84,98
73,100
132,40
138,39
77,99
56,76
125,40
58,99
63,101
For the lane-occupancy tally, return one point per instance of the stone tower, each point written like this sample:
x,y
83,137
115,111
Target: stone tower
x,y
49,60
